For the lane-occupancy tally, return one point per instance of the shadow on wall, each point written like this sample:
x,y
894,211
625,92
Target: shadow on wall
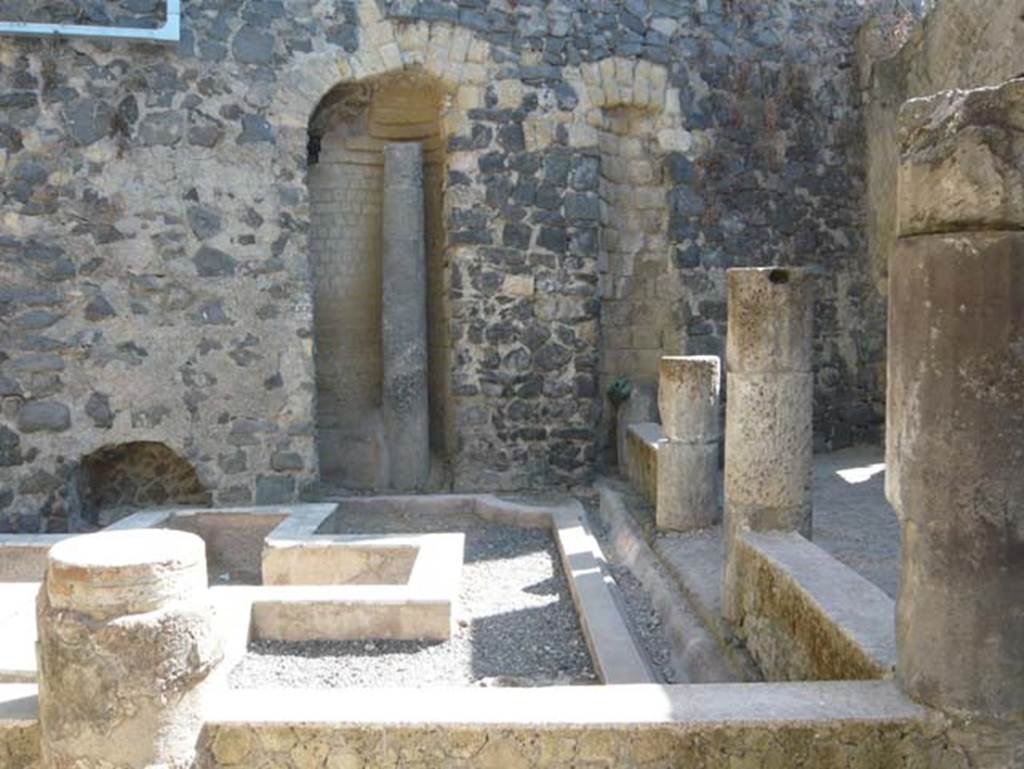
x,y
114,481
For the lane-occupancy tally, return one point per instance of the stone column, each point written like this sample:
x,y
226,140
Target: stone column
x,y
955,432
688,481
768,408
404,327
126,642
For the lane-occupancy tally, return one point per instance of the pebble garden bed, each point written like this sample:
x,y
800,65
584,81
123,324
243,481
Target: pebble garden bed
x,y
516,624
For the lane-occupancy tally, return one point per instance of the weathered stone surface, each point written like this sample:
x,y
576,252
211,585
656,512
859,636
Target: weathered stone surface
x,y
97,408
688,398
286,461
99,308
89,120
689,482
960,164
838,725
162,128
116,607
641,406
404,323
274,489
954,466
960,45
768,415
253,45
807,617
689,485
10,448
212,262
643,440
48,416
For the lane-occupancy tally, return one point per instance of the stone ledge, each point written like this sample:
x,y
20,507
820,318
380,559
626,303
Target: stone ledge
x,y
830,724
18,631
806,616
23,556
642,441
687,706
700,650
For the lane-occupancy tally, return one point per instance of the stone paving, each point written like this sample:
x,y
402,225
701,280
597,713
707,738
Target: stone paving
x,y
852,519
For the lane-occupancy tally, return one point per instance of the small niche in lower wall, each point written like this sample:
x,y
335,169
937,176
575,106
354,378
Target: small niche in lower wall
x,y
121,478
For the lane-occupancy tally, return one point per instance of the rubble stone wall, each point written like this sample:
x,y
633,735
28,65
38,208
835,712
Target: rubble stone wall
x,y
155,275
841,745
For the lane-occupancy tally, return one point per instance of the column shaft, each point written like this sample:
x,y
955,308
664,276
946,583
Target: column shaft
x,y
688,485
404,327
768,410
126,643
955,406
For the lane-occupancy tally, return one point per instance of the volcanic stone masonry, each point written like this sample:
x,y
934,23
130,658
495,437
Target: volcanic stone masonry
x,y
155,281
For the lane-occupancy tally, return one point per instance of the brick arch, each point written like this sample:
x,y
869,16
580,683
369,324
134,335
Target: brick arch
x,y
454,55
620,82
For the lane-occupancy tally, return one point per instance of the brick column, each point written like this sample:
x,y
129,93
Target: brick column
x,y
955,432
404,327
126,642
688,480
768,408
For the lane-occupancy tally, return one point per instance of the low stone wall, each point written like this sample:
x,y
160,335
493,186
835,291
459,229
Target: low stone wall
x,y
19,727
838,725
19,747
642,458
807,617
815,725
23,556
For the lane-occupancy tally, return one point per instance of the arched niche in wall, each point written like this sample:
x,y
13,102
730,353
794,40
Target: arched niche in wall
x,y
638,125
347,135
121,478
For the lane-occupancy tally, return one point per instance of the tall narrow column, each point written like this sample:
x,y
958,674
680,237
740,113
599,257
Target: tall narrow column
x,y
688,480
404,326
768,408
955,432
126,642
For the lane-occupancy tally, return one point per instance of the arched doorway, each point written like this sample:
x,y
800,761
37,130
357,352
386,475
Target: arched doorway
x,y
347,136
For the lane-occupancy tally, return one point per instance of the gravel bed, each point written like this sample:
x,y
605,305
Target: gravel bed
x,y
516,624
643,619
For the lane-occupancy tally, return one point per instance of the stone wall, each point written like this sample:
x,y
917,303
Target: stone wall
x,y
155,281
837,746
19,746
960,44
